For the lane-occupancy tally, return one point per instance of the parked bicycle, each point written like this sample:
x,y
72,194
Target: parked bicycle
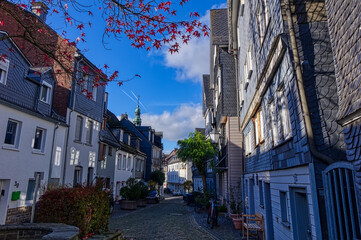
x,y
212,218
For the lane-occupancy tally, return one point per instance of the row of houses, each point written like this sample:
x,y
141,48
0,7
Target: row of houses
x,y
56,127
283,94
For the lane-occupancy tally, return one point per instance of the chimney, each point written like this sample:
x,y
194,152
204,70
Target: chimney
x,y
40,10
124,115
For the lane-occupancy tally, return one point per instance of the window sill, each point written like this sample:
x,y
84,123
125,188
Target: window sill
x,y
261,206
286,224
87,144
39,152
10,147
77,141
48,103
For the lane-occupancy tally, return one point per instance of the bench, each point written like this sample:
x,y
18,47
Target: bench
x,y
253,222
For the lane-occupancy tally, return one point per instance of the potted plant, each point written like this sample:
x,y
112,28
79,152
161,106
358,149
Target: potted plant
x,y
130,193
236,206
143,193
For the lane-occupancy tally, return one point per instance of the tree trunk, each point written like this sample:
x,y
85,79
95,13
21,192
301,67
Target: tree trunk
x,y
204,181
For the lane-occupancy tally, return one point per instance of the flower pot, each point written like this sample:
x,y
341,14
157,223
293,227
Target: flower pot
x,y
235,215
237,222
128,205
141,202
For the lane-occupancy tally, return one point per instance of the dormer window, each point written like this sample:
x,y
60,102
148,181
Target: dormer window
x,y
88,89
121,135
45,92
4,67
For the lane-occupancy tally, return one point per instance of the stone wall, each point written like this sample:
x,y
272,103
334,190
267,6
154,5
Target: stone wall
x,y
18,215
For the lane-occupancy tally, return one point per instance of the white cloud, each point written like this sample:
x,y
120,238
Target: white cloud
x,y
177,124
192,61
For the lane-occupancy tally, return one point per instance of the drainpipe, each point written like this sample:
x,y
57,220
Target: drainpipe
x,y
325,159
52,152
35,196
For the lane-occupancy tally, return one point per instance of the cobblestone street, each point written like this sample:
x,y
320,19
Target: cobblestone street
x,y
170,219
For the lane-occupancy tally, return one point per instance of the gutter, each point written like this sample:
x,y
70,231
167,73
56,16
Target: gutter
x,y
325,159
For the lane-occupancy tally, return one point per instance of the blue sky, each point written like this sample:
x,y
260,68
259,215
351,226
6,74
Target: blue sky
x,y
170,85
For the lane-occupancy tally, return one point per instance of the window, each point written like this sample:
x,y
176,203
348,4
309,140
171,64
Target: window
x,y
45,92
12,133
274,123
39,139
88,88
128,164
262,19
129,138
78,128
258,127
119,162
260,187
124,162
283,203
248,68
284,114
121,135
248,143
4,67
89,132
110,151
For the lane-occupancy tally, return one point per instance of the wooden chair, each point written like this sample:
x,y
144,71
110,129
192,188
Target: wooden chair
x,y
253,222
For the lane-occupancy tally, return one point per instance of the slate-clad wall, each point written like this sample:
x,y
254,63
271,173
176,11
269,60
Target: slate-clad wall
x,y
344,21
17,90
229,92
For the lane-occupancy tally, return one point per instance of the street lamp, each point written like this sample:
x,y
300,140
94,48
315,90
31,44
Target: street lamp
x,y
214,138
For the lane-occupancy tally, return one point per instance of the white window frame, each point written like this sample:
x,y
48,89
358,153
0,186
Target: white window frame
x,y
119,161
129,163
15,144
124,162
274,122
42,141
284,114
4,66
48,92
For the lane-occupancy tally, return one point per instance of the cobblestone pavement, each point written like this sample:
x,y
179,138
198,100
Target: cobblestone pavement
x,y
170,219
223,231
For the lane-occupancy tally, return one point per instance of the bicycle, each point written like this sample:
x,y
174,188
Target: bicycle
x,y
212,218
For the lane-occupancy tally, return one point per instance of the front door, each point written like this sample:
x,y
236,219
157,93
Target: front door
x,y
268,205
4,195
300,214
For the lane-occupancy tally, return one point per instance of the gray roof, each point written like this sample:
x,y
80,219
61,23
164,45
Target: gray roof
x,y
207,93
229,88
106,136
219,27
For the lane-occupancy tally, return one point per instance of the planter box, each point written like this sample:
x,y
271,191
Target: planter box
x,y
141,202
152,200
128,205
237,222
233,215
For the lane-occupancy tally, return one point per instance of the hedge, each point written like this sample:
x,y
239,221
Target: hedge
x,y
84,207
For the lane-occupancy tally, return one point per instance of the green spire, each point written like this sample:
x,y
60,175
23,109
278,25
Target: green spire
x,y
137,120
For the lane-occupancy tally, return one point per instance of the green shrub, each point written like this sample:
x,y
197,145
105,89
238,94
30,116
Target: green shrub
x,y
134,191
222,208
84,207
202,199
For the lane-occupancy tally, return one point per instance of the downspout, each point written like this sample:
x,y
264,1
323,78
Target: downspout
x,y
325,159
52,152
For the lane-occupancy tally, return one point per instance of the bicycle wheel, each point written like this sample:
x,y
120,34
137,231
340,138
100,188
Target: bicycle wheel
x,y
213,222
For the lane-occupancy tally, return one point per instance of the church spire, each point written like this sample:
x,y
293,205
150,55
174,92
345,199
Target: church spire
x,y
137,120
